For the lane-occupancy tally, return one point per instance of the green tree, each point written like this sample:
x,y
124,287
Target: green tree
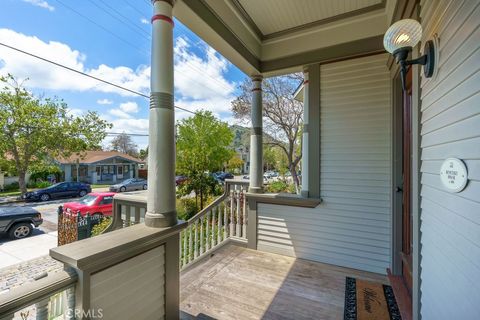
x,y
235,163
34,130
203,145
143,154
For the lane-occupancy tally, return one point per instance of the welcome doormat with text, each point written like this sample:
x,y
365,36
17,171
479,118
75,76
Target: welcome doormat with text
x,y
366,300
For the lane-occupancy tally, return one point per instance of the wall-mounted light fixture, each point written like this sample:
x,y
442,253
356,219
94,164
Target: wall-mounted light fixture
x,y
399,40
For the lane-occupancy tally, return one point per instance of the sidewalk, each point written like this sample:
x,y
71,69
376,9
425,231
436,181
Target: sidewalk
x,y
16,251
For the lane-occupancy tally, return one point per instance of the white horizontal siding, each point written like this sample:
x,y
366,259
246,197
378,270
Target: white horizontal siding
x,y
133,289
450,223
352,227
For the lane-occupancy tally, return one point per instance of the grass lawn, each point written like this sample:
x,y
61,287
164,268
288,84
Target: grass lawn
x,y
96,186
10,193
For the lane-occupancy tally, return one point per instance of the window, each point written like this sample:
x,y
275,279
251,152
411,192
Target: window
x,y
107,200
120,170
111,169
125,168
98,170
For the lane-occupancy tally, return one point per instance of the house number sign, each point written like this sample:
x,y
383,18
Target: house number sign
x,y
453,174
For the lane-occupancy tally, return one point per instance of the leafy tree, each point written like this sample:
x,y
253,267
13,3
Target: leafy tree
x,y
283,116
34,130
143,154
235,163
203,145
124,143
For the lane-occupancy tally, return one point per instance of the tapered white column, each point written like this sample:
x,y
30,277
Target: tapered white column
x,y
161,211
305,164
256,138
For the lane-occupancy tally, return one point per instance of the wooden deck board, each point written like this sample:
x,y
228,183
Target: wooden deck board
x,y
240,283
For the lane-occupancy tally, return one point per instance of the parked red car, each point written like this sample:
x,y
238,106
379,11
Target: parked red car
x,y
95,203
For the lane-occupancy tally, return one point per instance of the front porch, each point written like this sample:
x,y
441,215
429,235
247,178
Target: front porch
x,y
240,283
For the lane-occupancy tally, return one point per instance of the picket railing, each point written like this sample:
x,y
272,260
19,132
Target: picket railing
x,y
51,297
225,218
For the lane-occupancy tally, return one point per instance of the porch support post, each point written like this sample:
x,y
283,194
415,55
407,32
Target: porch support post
x,y
256,137
161,210
305,162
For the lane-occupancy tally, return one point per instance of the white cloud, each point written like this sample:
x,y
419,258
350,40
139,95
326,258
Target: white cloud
x,y
41,4
144,21
119,113
74,112
129,107
45,76
125,110
104,101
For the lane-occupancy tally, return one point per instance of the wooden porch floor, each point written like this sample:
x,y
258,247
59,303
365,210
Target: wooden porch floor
x,y
240,283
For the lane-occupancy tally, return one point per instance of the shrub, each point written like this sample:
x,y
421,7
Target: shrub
x,y
101,226
39,184
280,186
187,208
14,186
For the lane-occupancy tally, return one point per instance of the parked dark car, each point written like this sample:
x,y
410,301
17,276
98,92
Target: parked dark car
x,y
179,180
59,190
19,222
220,176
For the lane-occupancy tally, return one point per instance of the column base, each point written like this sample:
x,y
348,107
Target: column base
x,y
161,220
255,189
304,193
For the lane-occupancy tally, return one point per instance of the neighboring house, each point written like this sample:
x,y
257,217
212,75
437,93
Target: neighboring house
x,y
244,154
99,167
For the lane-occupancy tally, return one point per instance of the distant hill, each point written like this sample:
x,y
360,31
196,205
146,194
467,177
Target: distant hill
x,y
241,136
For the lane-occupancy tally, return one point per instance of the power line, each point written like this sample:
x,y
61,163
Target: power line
x,y
125,17
87,75
128,134
118,19
99,25
134,7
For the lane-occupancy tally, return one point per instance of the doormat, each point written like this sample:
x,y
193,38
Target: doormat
x,y
366,300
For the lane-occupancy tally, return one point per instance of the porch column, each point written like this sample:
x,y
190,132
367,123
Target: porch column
x,y
161,211
256,138
305,163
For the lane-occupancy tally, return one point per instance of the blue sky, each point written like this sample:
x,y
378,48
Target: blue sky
x,y
111,40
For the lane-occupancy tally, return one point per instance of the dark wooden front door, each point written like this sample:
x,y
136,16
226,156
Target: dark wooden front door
x,y
407,240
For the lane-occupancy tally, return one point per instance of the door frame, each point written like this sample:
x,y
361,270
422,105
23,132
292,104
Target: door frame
x,y
397,100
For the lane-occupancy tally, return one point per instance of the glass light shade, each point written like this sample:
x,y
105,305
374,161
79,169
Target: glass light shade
x,y
403,33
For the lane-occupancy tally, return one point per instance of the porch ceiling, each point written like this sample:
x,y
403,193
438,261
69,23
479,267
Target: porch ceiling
x,y
279,36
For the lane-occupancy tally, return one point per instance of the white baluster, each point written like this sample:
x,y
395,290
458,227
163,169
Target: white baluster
x,y
185,252
202,220
195,242
207,241
190,243
244,214
213,227
238,230
232,221
219,224
225,220
42,309
70,294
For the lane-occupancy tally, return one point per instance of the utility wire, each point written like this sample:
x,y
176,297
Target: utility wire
x,y
87,75
100,26
134,7
126,18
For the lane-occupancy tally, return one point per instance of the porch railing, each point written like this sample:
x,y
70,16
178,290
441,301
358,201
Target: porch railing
x,y
225,218
50,297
